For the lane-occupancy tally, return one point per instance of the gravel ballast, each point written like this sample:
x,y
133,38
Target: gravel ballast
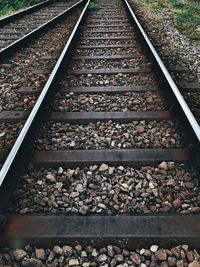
x,y
104,27
18,71
111,79
104,189
140,63
193,99
106,102
109,42
108,51
32,21
8,134
137,134
105,34
109,255
11,100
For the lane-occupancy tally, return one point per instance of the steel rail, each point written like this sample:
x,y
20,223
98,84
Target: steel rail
x,y
10,48
6,172
133,231
190,117
7,19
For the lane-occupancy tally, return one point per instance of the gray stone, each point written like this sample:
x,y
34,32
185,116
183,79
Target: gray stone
x,y
40,253
73,262
32,263
102,257
84,210
60,170
67,250
94,253
103,167
110,251
163,165
154,248
58,250
51,178
19,254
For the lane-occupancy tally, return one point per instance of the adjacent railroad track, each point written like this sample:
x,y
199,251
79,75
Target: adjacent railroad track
x,y
23,69
23,25
108,155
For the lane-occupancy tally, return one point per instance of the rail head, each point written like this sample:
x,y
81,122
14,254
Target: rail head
x,y
186,110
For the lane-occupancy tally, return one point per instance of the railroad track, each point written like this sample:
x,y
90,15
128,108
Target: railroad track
x,y
23,69
109,134
24,24
187,79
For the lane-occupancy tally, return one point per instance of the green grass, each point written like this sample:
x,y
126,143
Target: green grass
x,y
9,6
6,11
177,4
154,4
185,16
94,6
188,20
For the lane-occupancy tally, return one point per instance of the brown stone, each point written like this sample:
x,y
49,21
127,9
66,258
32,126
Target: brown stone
x,y
189,185
163,166
171,182
195,209
161,254
190,256
51,178
177,203
19,254
176,252
67,250
164,264
172,261
73,262
135,258
58,250
119,257
84,210
40,253
195,263
103,167
140,129
180,263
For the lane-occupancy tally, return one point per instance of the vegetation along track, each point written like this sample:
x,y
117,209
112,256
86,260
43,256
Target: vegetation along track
x,y
188,76
115,138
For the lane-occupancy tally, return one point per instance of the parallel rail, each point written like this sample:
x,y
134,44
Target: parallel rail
x,y
17,152
169,80
10,49
46,230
